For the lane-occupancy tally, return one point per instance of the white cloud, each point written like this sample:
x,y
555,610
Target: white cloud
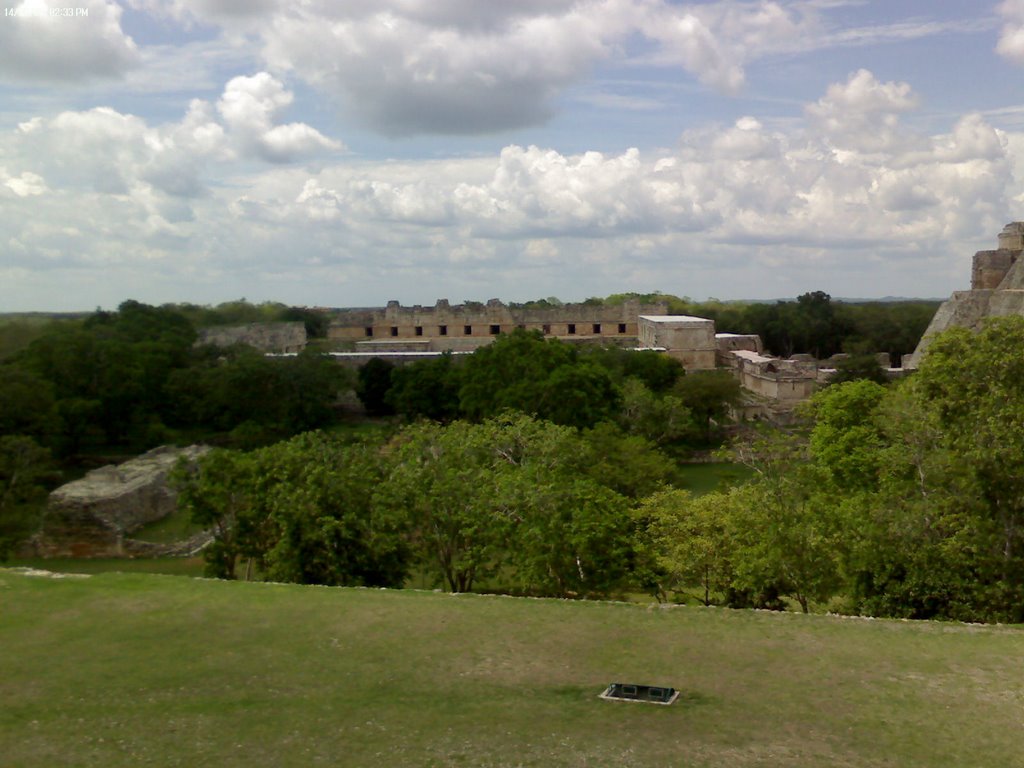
x,y
26,184
759,207
38,48
743,184
863,114
462,67
206,11
1011,37
249,106
160,169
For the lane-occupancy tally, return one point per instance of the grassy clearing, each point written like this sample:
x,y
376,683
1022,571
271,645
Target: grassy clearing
x,y
131,669
704,478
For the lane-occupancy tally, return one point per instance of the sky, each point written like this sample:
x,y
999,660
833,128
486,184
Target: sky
x,y
352,152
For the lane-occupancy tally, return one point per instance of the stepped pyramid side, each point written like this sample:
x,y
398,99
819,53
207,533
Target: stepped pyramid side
x,y
997,290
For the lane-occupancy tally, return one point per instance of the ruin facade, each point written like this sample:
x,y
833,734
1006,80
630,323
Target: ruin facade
x,y
997,290
405,334
468,326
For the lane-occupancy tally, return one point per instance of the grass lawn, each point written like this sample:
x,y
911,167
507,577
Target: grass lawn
x,y
135,669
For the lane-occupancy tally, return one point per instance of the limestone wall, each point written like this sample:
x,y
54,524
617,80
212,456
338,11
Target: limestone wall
x,y
990,267
691,340
449,327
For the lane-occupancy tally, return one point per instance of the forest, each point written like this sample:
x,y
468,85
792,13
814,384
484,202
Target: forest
x,y
536,467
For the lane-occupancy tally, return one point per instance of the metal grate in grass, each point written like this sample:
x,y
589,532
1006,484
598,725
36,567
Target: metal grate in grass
x,y
649,694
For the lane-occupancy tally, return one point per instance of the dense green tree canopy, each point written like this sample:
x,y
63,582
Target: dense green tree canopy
x,y
544,378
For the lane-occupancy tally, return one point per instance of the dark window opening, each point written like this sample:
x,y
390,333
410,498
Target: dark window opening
x,y
419,330
442,330
597,328
547,328
622,327
369,330
571,329
468,330
521,326
495,330
394,330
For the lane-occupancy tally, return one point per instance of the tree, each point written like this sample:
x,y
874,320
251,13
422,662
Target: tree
x,y
846,440
26,404
661,419
117,361
446,479
300,511
971,384
543,378
25,468
508,496
788,534
628,464
426,389
573,536
373,381
240,386
317,493
315,321
509,373
857,367
579,395
687,541
708,395
657,371
218,494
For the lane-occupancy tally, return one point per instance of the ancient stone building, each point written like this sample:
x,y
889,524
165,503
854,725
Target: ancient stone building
x,y
465,327
733,342
997,289
284,337
690,340
405,334
96,515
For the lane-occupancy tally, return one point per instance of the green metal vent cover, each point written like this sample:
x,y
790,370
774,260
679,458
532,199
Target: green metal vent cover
x,y
650,694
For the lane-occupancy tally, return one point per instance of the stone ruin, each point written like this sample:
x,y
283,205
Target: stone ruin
x,y
96,515
997,290
278,338
465,327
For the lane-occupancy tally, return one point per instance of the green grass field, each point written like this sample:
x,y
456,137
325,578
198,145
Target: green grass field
x,y
134,669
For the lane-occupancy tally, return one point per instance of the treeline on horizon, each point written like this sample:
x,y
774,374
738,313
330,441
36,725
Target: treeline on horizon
x,y
813,323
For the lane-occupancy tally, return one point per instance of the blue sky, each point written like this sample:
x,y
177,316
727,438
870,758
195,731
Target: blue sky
x,y
348,153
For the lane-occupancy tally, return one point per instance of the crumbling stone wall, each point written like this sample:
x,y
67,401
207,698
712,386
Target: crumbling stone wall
x,y
95,516
279,338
